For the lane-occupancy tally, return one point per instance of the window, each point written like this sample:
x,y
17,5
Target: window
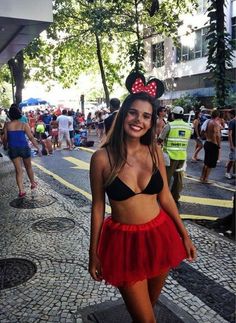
x,y
234,31
158,54
199,48
202,6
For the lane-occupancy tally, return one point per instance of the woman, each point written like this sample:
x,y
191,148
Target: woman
x,y
89,122
54,131
18,148
136,246
100,125
197,137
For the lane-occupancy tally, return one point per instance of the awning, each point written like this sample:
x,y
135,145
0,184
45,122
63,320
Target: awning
x,y
199,92
20,22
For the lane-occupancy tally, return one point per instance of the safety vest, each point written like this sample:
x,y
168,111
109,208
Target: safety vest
x,y
176,143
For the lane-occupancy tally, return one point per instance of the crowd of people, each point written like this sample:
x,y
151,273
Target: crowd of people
x,y
140,167
206,131
51,127
38,132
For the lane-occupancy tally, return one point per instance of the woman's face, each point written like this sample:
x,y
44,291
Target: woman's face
x,y
139,119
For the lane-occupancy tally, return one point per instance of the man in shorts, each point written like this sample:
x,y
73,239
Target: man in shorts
x,y
63,129
211,146
232,144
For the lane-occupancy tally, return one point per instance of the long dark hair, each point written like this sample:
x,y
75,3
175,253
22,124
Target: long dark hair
x,y
116,138
14,112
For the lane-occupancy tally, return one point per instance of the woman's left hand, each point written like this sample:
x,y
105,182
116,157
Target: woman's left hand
x,y
190,249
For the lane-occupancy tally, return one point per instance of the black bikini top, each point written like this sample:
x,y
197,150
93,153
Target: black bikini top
x,y
119,191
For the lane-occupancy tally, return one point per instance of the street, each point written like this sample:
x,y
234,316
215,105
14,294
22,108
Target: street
x,y
44,251
197,200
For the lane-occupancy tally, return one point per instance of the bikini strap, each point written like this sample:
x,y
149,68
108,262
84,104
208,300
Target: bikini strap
x,y
108,156
154,166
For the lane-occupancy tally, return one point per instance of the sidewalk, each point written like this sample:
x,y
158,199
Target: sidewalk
x,y
44,256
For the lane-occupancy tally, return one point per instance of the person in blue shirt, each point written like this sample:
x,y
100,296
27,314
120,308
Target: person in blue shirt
x,y
47,118
15,133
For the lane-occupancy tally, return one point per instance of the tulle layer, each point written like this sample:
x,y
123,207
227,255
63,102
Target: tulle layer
x,y
131,253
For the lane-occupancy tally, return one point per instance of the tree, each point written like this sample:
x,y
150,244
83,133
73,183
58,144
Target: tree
x,y
80,37
5,89
86,35
16,66
220,52
188,102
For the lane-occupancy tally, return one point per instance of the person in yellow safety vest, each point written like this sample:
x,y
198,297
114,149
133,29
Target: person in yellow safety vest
x,y
174,138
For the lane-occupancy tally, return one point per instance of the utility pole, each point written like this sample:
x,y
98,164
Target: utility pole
x,y
82,103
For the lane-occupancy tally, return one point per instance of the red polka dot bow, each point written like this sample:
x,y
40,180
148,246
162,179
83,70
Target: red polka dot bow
x,y
135,83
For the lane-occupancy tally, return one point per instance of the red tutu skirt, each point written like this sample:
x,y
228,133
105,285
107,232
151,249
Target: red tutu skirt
x,y
134,252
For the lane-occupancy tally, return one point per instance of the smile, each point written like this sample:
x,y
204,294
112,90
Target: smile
x,y
135,127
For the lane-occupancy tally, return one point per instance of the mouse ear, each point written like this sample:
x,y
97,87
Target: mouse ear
x,y
135,83
133,78
159,87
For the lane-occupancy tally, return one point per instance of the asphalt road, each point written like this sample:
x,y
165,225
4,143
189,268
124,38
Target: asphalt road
x,y
68,173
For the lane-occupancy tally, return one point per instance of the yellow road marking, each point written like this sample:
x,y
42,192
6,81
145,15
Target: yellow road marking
x,y
212,184
68,184
206,201
198,217
87,149
79,163
108,208
184,198
63,181
186,176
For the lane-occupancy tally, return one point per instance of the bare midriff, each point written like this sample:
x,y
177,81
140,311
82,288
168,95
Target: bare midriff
x,y
137,209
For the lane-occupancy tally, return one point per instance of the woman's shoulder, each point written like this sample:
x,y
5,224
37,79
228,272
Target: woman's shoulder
x,y
100,155
14,125
156,146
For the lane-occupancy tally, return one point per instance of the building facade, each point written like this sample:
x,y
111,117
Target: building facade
x,y
183,68
20,22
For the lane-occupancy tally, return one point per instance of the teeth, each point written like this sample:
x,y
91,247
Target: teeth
x,y
135,127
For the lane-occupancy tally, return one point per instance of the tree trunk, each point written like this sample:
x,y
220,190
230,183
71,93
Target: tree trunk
x,y
220,54
103,76
137,65
16,66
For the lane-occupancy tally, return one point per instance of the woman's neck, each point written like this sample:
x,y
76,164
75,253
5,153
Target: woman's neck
x,y
133,144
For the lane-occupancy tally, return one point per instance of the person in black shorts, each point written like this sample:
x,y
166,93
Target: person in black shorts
x,y
211,146
211,154
15,133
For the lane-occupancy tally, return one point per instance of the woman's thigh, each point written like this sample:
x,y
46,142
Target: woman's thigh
x,y
137,300
27,162
155,286
17,162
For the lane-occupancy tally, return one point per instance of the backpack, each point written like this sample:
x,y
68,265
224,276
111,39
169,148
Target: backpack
x,y
203,129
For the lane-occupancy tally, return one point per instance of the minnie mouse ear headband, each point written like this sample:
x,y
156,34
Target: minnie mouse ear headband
x,y
136,83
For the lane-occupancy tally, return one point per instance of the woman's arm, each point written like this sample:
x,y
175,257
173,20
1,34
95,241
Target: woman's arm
x,y
167,203
30,136
98,211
